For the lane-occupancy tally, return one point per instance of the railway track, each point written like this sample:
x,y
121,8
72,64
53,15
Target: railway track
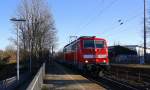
x,y
137,80
117,85
111,84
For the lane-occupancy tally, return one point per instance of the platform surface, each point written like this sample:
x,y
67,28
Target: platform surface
x,y
59,77
138,66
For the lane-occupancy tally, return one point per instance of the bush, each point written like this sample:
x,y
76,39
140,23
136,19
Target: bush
x,y
2,64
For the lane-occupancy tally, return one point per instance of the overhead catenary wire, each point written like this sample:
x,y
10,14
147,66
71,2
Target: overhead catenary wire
x,y
119,28
100,3
122,21
97,15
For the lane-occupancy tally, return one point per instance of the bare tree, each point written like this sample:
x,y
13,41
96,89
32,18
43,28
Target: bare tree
x,y
38,33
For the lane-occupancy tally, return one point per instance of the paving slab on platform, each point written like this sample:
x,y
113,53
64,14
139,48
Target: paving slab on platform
x,y
62,78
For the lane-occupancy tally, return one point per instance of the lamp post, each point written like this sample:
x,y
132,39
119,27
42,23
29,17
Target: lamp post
x,y
17,20
144,31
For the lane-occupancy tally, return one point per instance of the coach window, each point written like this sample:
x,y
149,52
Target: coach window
x,y
65,50
69,48
88,43
78,46
73,47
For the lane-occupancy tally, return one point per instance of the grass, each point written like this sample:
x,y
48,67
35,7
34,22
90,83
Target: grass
x,y
44,87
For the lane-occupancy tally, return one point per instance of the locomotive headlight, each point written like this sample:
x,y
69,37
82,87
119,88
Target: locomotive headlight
x,y
104,61
86,61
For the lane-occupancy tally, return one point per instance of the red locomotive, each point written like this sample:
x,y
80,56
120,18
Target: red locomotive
x,y
87,53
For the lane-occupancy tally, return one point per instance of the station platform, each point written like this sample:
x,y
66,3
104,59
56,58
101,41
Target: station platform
x,y
59,77
133,66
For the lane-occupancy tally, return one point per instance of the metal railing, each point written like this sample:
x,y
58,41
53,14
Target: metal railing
x,y
12,83
36,83
9,83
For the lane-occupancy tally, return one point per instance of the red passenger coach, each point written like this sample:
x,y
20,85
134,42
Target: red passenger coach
x,y
87,52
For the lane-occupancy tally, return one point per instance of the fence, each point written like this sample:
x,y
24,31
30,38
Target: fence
x,y
130,59
36,83
11,83
127,59
8,84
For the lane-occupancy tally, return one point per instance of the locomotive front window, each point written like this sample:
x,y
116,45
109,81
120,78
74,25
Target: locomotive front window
x,y
99,44
89,44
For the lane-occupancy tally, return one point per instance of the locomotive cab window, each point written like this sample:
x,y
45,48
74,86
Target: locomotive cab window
x,y
99,44
89,44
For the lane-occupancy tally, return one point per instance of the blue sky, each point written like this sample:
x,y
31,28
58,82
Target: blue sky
x,y
85,17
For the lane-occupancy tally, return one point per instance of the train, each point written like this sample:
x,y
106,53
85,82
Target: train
x,y
87,53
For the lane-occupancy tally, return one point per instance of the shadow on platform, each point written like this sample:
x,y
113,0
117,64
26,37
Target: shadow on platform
x,y
56,69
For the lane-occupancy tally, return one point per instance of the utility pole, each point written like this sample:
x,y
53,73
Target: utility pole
x,y
144,31
30,45
52,54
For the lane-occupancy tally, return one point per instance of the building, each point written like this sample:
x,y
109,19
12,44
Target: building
x,y
132,54
138,49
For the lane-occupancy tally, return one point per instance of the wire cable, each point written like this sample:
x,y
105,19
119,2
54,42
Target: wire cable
x,y
99,13
124,23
